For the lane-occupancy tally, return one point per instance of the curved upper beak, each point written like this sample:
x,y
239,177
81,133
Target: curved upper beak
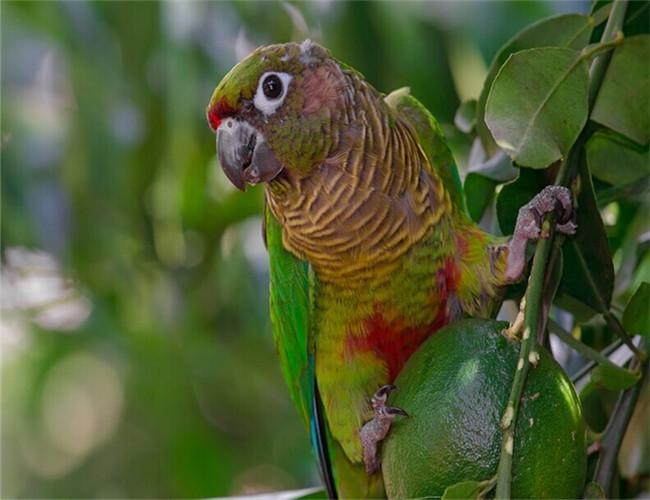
x,y
244,154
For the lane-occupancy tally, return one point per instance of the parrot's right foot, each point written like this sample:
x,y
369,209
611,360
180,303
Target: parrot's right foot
x,y
529,225
374,431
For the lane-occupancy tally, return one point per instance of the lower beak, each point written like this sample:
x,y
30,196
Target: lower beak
x,y
244,155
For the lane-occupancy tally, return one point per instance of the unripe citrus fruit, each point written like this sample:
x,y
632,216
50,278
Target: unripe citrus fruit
x,y
455,389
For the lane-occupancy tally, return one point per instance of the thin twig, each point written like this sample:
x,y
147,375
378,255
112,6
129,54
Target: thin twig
x,y
578,346
584,370
614,323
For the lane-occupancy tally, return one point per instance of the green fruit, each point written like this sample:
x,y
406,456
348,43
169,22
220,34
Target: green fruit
x,y
455,388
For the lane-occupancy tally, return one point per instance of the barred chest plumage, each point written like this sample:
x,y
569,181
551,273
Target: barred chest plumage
x,y
368,203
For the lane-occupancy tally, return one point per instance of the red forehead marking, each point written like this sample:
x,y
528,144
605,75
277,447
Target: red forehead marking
x,y
218,112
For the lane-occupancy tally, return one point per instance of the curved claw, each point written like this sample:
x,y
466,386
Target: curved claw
x,y
385,390
393,410
565,213
379,398
567,228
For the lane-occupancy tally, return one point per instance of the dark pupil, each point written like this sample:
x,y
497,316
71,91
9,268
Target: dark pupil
x,y
272,87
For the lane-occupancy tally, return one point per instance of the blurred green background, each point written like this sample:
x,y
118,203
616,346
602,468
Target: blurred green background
x,y
137,359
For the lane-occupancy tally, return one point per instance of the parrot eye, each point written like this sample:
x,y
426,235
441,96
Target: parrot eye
x,y
272,86
271,91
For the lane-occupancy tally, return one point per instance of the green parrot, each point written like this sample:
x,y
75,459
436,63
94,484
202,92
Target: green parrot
x,y
370,245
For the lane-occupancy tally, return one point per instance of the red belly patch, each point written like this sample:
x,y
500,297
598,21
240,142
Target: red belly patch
x,y
392,341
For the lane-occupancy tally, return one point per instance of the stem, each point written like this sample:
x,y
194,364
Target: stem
x,y
578,346
551,284
599,66
614,323
487,487
610,443
593,50
592,364
527,354
533,317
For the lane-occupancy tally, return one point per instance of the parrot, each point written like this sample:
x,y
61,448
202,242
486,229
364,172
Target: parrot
x,y
371,247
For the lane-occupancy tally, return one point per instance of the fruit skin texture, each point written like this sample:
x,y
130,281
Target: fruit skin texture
x,y
455,387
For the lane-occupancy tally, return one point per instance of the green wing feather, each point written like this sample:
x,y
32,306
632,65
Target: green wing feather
x,y
291,284
432,141
290,304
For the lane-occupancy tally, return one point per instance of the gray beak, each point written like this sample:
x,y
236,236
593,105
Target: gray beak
x,y
244,155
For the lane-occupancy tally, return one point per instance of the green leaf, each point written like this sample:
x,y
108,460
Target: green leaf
x,y
538,104
465,118
581,312
588,270
481,181
614,378
594,491
615,159
624,100
568,30
465,489
596,405
636,317
479,191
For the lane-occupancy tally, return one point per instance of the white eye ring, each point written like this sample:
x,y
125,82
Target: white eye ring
x,y
267,105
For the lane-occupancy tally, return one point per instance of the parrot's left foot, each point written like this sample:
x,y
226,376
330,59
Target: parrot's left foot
x,y
374,431
529,225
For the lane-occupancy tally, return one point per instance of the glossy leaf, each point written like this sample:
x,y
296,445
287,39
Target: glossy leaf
x,y
614,378
636,317
597,404
588,270
568,30
624,100
479,191
615,159
538,105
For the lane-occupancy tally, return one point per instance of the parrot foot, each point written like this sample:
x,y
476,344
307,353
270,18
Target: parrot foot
x,y
529,225
374,431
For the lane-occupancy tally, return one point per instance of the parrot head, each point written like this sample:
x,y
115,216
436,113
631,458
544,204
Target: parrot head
x,y
274,111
